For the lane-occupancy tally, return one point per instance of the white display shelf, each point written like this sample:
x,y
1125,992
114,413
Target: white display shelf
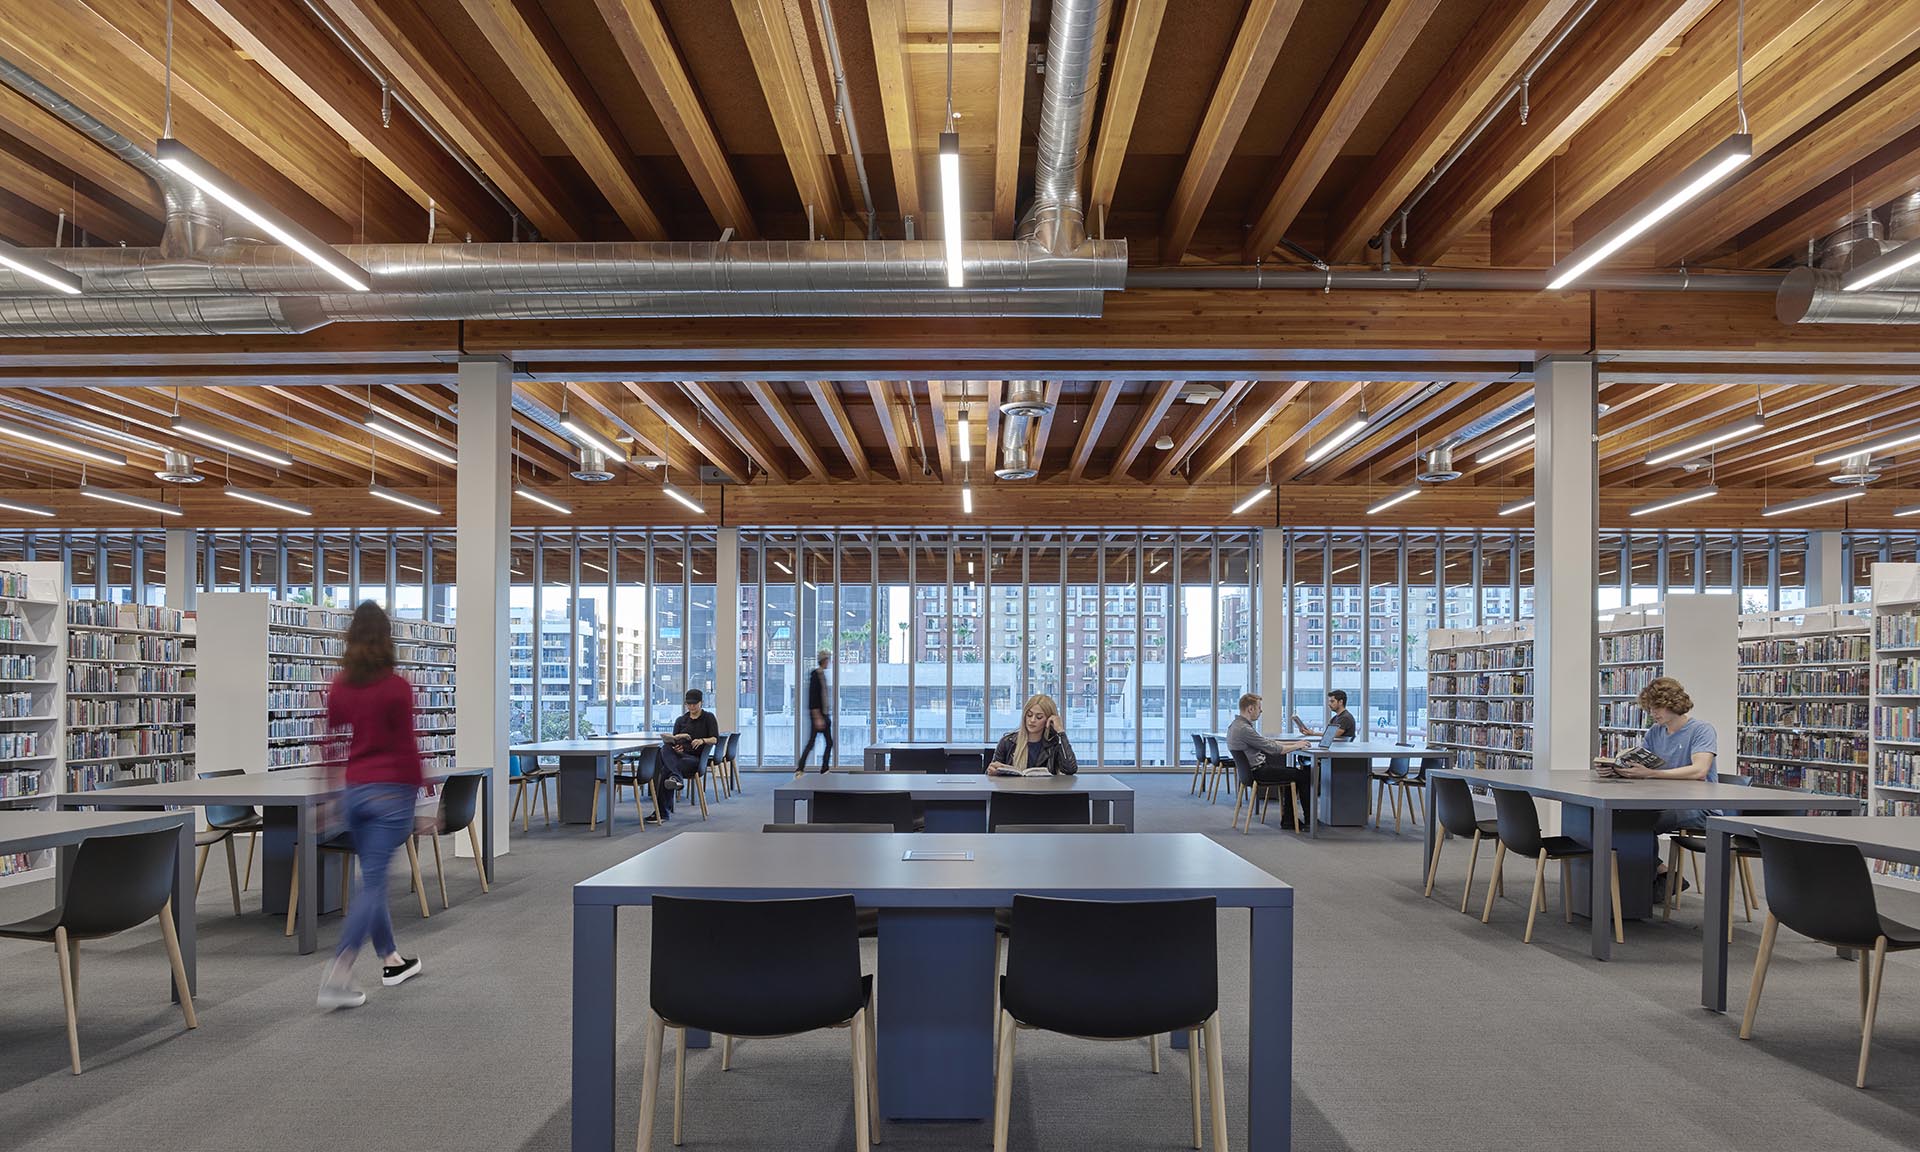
x,y
1896,648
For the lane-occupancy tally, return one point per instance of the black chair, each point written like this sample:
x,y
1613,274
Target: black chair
x,y
892,808
1257,795
932,760
1824,891
1202,766
115,883
713,970
730,762
869,918
459,800
1113,970
637,769
1009,808
961,762
1453,814
529,780
1216,769
228,821
1518,827
1397,781
1745,851
1064,829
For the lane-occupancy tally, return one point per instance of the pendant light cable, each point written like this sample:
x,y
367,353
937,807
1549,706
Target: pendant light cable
x,y
166,128
1739,62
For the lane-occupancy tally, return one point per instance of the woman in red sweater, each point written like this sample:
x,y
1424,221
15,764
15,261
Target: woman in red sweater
x,y
372,705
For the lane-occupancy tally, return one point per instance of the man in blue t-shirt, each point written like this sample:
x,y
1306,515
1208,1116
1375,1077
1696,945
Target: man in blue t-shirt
x,y
1687,749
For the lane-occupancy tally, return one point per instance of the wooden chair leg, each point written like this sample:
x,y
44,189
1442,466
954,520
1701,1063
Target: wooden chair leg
x,y
1473,862
1873,1006
479,860
703,799
1493,881
1433,865
66,994
419,885
1003,1084
253,841
1619,927
873,1074
1239,798
1153,1054
1193,1077
1216,1081
593,822
233,874
679,1081
440,874
519,795
1748,893
293,894
1533,905
1860,963
726,1053
172,938
546,801
1413,809
1394,794
1760,962
650,1080
200,867
73,964
1673,880
862,1110
1300,815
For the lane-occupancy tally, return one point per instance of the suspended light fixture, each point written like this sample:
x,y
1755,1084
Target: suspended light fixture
x,y
35,268
1347,432
1158,568
1892,440
591,438
1706,493
209,435
1518,442
1400,497
952,218
965,430
1864,276
966,499
682,497
1812,502
1694,445
261,498
541,498
782,566
387,430
1517,507
1258,494
402,499
129,499
26,509
60,443
1909,510
210,180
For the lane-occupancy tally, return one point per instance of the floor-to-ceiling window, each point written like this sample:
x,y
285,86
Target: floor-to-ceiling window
x,y
668,644
893,629
1044,612
1423,615
782,678
1234,649
856,648
1081,674
1385,640
1007,631
967,638
1121,658
629,632
932,639
1309,631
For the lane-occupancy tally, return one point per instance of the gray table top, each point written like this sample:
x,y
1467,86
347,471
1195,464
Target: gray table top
x,y
933,785
30,831
1882,837
734,865
1372,749
594,746
291,788
964,745
1582,787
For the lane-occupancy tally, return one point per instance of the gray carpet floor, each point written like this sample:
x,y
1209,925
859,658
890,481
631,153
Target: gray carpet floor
x,y
1416,1027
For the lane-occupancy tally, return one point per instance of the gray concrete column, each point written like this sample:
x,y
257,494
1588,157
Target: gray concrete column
x,y
1273,618
482,542
1566,517
1826,569
183,568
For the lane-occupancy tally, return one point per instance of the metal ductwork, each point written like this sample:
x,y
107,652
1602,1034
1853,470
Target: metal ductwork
x,y
1814,296
1026,398
1437,466
178,469
1017,434
1260,277
1076,40
161,316
593,467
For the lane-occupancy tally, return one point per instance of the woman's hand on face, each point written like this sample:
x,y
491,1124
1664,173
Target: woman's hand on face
x,y
1055,725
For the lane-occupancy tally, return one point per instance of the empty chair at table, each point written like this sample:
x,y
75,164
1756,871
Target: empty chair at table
x,y
891,808
1009,808
1454,815
1825,892
908,759
459,801
227,821
1518,825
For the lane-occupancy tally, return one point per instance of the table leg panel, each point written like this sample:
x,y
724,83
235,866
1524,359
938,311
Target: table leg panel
x,y
595,971
1270,1031
936,1013
1713,944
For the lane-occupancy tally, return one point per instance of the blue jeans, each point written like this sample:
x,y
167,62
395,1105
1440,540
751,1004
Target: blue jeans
x,y
380,818
681,765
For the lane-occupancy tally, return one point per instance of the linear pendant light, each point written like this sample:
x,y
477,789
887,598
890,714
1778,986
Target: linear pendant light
x,y
541,498
1518,442
26,509
1909,510
207,435
1693,445
1870,447
1516,507
35,268
402,499
56,441
1865,275
130,500
1690,185
965,429
592,439
966,499
1812,502
1257,495
950,211
1706,493
266,501
387,430
1347,432
208,179
1400,497
683,498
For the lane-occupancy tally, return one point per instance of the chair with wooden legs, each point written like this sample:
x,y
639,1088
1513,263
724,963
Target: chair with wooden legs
x,y
459,800
1745,851
1396,783
1824,892
633,771
730,761
1114,970
1201,766
892,808
116,883
1217,764
1518,824
1256,793
713,970
529,781
231,820
1453,814
340,844
203,839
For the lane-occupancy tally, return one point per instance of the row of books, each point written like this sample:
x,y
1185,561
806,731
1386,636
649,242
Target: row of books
x,y
1496,711
14,785
86,712
1896,871
1802,682
14,705
1901,675
101,614
1827,649
423,654
132,742
106,678
1811,714
294,755
294,699
16,861
18,666
1494,759
1895,768
1622,714
14,627
1626,681
88,777
20,745
14,584
1508,738
305,644
305,616
423,632
1897,630
1793,776
288,729
1481,683
1801,746
1509,657
431,677
1646,647
1896,722
299,671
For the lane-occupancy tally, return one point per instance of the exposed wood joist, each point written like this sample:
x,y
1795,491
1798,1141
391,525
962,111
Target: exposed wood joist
x,y
616,405
942,439
46,134
322,408
1195,429
1146,425
733,418
1393,441
535,56
1016,22
1383,403
1294,425
826,397
785,80
686,419
648,47
1125,82
22,223
1602,57
103,217
784,420
1105,392
1888,174
1255,48
1485,64
893,427
887,22
1367,60
1254,412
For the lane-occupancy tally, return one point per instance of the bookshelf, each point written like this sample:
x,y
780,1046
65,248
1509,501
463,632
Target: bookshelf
x,y
1480,694
30,671
129,699
1804,699
1893,787
1689,636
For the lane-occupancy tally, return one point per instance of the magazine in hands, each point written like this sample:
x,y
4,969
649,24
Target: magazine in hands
x,y
1640,756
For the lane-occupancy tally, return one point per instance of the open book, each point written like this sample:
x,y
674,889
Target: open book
x,y
1010,770
1638,756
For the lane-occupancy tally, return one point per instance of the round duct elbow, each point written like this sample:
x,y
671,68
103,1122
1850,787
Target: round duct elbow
x,y
1026,398
1437,466
178,469
1016,463
593,467
1814,296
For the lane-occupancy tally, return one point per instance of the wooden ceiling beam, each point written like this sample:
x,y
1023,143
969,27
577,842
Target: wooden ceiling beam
x,y
296,426
887,23
1254,411
23,224
408,46
1687,96
826,397
737,423
1016,23
686,419
402,465
647,44
786,422
1288,430
785,80
537,58
942,435
1484,65
1146,425
103,217
1125,82
1870,412
1381,401
1454,408
1886,175
1256,46
616,405
53,138
1195,429
549,454
893,427
1105,392
1368,58
1602,57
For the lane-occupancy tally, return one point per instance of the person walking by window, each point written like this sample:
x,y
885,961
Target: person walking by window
x,y
370,708
682,752
819,716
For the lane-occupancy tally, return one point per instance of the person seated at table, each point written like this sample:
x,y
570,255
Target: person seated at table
x,y
1339,725
1039,742
682,752
1266,755
1687,748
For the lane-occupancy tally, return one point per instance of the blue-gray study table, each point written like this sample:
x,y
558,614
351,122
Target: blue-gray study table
x,y
1337,795
957,803
936,948
581,763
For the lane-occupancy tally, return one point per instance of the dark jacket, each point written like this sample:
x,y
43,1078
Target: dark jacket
x,y
817,692
1052,752
705,728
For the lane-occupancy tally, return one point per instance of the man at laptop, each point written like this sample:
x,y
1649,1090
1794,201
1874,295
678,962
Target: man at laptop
x,y
1339,726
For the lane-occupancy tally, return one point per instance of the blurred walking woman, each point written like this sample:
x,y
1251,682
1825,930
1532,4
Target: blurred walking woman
x,y
1039,742
372,704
